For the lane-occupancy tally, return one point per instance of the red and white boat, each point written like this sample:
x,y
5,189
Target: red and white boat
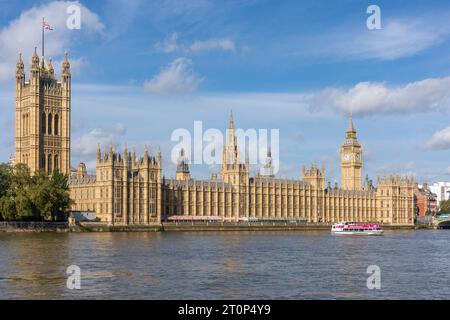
x,y
353,228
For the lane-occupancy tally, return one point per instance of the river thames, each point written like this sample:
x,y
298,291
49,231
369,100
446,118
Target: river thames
x,y
225,265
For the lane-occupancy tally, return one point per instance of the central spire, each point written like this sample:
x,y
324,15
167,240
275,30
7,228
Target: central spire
x,y
351,127
351,131
231,120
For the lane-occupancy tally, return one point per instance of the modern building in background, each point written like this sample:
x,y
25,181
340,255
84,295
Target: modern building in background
x,y
441,190
127,189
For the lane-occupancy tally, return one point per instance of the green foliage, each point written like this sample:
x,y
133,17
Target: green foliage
x,y
32,197
444,206
5,178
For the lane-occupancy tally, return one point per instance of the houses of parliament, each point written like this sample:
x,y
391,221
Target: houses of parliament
x,y
131,190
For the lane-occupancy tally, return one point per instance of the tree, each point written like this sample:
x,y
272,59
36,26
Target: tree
x,y
50,195
40,196
37,197
8,210
444,206
16,203
5,178
59,195
5,185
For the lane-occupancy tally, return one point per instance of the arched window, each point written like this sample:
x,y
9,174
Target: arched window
x,y
49,163
49,124
27,122
24,131
43,123
42,161
55,124
56,166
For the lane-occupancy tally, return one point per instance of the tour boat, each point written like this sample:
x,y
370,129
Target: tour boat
x,y
353,228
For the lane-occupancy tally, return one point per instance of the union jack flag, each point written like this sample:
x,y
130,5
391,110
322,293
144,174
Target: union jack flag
x,y
45,25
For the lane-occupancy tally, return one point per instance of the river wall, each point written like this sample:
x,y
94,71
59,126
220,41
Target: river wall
x,y
174,227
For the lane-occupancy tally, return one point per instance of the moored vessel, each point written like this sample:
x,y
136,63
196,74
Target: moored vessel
x,y
353,228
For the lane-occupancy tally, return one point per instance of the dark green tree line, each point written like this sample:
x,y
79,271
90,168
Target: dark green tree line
x,y
38,197
444,206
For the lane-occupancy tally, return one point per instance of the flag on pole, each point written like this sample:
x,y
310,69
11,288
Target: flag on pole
x,y
46,26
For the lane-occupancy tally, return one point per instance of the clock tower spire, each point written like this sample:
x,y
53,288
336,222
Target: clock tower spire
x,y
351,160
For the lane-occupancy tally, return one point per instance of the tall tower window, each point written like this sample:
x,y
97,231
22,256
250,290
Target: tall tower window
x,y
56,166
27,122
49,163
24,124
49,123
56,124
43,122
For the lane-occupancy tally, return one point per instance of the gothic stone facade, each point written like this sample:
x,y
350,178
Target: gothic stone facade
x,y
131,190
42,139
125,190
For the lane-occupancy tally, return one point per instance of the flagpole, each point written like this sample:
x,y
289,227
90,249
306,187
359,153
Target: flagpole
x,y
43,20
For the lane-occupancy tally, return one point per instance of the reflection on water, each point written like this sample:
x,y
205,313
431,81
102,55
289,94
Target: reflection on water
x,y
228,265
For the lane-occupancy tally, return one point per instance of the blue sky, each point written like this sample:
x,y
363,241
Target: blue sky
x,y
142,69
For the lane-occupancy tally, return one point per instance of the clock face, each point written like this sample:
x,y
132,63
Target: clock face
x,y
358,157
346,157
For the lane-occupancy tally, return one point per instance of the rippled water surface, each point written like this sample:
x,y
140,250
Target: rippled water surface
x,y
227,265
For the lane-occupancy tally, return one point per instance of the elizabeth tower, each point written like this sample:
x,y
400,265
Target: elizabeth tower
x,y
351,160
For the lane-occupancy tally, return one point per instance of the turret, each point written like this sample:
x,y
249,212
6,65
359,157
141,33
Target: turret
x,y
99,153
81,171
182,167
20,71
146,156
247,160
35,69
125,154
66,78
159,157
314,177
50,70
66,66
133,155
267,169
35,60
111,152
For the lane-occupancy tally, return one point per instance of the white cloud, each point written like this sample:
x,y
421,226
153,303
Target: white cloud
x,y
398,38
440,140
372,97
24,33
364,98
170,44
86,145
224,44
178,77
